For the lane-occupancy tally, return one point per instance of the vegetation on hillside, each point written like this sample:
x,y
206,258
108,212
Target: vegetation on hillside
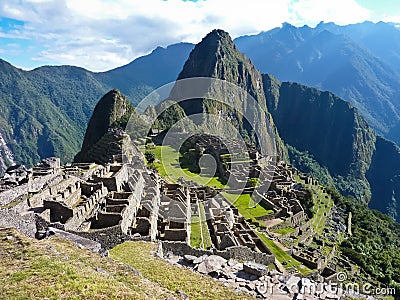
x,y
305,162
375,241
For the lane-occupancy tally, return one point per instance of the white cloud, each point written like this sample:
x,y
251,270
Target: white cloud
x,y
103,34
341,12
394,19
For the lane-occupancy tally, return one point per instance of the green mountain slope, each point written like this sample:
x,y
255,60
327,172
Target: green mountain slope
x,y
44,112
328,138
33,124
384,176
326,126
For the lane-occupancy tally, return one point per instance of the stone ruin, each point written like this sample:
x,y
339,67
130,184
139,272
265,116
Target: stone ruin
x,y
115,201
236,161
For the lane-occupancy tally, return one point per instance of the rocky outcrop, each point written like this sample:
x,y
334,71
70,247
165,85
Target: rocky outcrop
x,y
104,136
260,281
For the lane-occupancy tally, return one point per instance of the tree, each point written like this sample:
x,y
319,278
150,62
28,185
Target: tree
x,y
150,157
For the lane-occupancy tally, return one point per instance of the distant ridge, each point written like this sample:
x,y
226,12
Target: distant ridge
x,y
360,63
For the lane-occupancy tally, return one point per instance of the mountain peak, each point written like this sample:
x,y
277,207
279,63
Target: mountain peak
x,y
110,112
216,56
218,34
206,55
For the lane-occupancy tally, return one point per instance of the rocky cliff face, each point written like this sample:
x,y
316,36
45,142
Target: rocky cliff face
x,y
329,128
104,133
216,56
384,176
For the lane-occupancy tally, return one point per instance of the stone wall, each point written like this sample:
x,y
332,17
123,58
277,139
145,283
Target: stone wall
x,y
73,215
238,252
34,185
104,220
114,183
23,223
308,263
36,200
107,237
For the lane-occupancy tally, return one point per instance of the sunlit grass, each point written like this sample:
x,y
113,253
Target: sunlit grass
x,y
284,258
246,206
55,269
171,169
196,286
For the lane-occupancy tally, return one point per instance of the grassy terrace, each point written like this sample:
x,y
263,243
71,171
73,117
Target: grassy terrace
x,y
284,258
196,238
323,204
246,207
171,169
196,286
204,228
199,235
284,231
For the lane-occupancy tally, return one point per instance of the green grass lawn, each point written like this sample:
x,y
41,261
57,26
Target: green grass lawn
x,y
246,207
196,286
196,240
169,167
204,228
284,231
200,235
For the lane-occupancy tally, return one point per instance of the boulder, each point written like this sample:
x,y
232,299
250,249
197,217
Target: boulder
x,y
189,258
212,263
232,262
79,241
292,285
255,269
200,259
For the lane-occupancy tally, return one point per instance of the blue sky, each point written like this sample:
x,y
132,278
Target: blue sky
x,y
104,34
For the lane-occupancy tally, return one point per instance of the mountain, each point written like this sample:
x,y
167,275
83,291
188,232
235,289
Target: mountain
x,y
382,39
138,78
329,139
327,127
103,136
359,63
324,135
44,112
384,175
216,56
